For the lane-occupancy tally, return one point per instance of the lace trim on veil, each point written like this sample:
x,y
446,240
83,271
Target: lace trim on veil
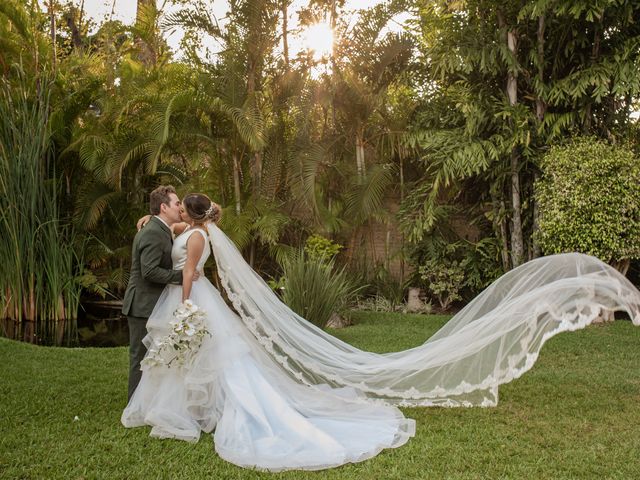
x,y
412,396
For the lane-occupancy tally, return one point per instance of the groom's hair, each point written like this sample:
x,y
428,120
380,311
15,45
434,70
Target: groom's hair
x,y
159,196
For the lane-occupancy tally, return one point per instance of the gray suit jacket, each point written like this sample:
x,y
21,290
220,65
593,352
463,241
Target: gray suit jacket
x,y
150,269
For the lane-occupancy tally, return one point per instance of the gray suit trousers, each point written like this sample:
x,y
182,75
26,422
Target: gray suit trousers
x,y
137,350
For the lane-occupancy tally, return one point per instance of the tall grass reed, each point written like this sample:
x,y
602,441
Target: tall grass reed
x,y
39,288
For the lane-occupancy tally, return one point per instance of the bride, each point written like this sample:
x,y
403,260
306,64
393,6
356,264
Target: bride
x,y
262,416
280,393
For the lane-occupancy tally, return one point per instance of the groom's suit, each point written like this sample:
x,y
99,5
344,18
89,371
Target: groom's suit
x,y
150,272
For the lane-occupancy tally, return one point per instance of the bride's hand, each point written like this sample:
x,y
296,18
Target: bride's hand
x,y
143,221
196,275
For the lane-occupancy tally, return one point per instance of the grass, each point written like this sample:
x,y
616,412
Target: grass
x,y
574,415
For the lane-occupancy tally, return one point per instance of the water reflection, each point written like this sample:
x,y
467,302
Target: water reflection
x,y
102,325
99,324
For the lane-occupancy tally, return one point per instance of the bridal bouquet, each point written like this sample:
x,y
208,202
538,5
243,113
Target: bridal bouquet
x,y
188,329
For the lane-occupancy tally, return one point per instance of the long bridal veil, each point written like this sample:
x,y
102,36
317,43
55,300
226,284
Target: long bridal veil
x,y
494,339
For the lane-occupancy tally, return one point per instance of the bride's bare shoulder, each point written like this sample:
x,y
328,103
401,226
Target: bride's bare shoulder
x,y
178,228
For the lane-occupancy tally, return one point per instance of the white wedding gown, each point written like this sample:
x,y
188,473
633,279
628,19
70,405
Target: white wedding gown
x,y
262,417
283,394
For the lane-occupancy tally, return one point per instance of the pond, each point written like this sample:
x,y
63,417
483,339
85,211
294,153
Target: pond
x,y
100,324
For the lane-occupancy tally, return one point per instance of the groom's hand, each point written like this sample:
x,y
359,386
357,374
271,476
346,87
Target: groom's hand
x,y
196,275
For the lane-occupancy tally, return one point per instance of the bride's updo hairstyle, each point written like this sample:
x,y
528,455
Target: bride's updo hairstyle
x,y
200,208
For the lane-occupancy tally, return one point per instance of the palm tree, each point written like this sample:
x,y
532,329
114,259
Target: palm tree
x,y
353,110
366,67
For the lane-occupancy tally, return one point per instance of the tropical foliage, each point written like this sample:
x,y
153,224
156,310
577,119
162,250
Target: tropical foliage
x,y
504,81
425,126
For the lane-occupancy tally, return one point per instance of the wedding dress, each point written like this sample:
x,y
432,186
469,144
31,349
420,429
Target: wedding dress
x,y
262,416
283,394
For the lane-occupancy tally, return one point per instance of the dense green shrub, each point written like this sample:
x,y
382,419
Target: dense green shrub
x,y
481,264
443,280
450,271
589,200
318,246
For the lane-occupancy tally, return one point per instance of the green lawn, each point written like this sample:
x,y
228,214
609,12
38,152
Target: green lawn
x,y
575,415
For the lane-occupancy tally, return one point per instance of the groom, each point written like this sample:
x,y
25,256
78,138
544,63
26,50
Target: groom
x,y
150,272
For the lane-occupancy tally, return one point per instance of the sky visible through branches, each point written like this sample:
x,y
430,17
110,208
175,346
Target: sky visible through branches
x,y
125,11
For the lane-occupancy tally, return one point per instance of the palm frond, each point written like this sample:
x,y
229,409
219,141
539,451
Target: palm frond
x,y
237,227
93,199
17,14
306,168
269,225
367,195
187,18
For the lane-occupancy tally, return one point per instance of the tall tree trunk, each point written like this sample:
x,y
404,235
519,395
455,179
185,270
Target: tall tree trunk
x,y
146,51
536,251
236,181
500,227
360,165
252,253
622,265
541,109
285,32
504,234
401,202
372,243
54,50
517,240
333,22
70,18
387,247
595,53
252,79
256,173
541,105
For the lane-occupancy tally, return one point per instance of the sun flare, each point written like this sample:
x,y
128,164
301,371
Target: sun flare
x,y
319,39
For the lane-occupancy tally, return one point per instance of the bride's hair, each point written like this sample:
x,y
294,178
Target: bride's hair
x,y
201,208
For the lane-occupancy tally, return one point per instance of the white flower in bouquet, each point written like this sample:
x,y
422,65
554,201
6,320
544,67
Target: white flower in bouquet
x,y
188,330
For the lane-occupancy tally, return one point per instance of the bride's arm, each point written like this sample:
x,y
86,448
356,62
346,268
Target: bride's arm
x,y
143,221
177,228
195,247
